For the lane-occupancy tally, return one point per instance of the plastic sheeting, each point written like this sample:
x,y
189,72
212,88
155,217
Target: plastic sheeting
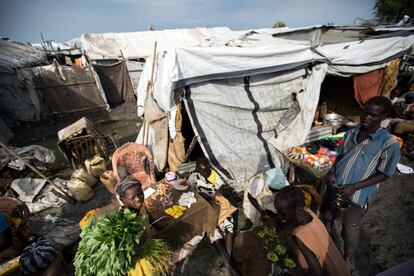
x,y
66,89
37,155
134,70
185,66
5,133
141,44
362,56
236,119
115,82
15,55
18,98
157,121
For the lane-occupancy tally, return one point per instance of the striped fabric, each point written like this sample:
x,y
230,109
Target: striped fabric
x,y
357,162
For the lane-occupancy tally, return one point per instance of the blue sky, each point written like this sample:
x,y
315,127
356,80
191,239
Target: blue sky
x,y
24,20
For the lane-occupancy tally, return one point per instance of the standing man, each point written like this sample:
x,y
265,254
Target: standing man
x,y
367,156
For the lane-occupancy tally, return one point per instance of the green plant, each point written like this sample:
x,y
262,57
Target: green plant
x,y
112,244
276,252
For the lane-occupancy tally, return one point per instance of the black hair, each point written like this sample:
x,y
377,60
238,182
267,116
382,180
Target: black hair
x,y
293,196
409,97
202,161
126,183
382,101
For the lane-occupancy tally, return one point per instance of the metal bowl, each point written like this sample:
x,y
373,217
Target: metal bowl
x,y
334,120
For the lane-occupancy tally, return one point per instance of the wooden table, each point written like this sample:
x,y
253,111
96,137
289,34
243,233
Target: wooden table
x,y
301,164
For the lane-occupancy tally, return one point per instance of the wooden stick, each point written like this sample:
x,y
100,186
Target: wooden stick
x,y
149,91
62,193
154,57
190,148
144,125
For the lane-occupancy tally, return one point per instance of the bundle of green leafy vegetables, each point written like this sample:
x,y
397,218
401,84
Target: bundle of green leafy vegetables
x,y
276,252
112,244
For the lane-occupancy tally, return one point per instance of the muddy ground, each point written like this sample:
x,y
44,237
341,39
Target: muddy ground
x,y
386,239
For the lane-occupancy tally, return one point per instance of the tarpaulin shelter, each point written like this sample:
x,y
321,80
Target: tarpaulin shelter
x,y
256,95
115,81
18,99
245,103
133,47
67,89
31,87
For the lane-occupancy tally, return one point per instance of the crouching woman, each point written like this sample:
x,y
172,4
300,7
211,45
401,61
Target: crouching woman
x,y
314,248
118,243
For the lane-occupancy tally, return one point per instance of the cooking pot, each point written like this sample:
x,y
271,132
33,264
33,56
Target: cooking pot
x,y
334,120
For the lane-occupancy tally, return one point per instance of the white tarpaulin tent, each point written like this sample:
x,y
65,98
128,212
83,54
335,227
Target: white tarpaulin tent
x,y
240,120
240,100
184,66
362,56
254,95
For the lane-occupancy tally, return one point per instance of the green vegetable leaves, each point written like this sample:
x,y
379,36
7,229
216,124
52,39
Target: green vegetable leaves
x,y
276,252
112,244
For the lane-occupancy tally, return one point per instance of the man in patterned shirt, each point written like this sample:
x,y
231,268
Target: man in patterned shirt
x,y
367,156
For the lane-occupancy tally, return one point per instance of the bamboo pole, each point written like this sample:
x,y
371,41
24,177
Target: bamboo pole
x,y
57,190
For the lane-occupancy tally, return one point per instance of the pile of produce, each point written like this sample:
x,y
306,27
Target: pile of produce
x,y
113,244
276,253
320,155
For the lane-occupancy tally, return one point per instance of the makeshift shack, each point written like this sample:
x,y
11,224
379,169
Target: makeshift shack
x,y
256,103
18,98
118,58
67,89
253,98
31,88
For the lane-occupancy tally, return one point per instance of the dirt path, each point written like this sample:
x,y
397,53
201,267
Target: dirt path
x,y
386,237
387,233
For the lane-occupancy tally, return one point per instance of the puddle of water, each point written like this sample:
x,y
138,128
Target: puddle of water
x,y
123,131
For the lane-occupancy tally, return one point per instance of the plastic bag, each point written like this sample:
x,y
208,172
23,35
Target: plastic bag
x,y
86,177
80,190
109,181
95,166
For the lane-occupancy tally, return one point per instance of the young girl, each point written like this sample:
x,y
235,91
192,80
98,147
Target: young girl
x,y
314,248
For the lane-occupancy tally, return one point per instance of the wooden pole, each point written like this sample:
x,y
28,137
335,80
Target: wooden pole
x,y
58,191
190,148
145,133
154,57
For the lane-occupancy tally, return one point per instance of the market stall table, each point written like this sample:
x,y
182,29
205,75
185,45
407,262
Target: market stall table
x,y
202,217
299,163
